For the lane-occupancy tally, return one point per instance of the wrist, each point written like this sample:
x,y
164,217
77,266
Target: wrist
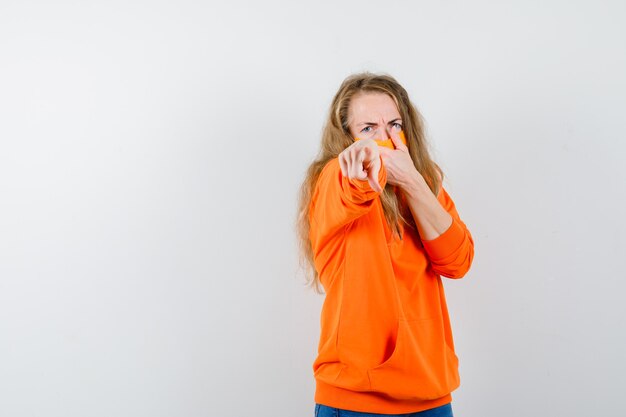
x,y
415,186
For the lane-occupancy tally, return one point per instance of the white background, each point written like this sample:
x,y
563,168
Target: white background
x,y
150,158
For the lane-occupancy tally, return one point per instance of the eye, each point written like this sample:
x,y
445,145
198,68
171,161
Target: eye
x,y
364,130
398,125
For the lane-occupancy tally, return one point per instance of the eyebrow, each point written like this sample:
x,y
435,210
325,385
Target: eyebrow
x,y
374,124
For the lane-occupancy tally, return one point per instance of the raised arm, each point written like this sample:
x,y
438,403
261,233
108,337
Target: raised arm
x,y
446,240
338,199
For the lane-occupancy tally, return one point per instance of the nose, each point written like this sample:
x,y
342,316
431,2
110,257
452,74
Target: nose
x,y
384,133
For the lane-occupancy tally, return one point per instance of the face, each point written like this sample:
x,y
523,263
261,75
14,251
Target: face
x,y
373,116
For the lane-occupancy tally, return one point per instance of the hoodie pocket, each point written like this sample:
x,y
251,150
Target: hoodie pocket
x,y
422,366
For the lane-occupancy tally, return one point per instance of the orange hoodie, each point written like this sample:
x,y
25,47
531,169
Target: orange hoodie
x,y
385,341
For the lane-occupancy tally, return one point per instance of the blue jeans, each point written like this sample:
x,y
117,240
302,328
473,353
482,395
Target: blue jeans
x,y
325,411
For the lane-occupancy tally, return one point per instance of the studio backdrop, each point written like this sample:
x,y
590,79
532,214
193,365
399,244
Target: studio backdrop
x,y
151,154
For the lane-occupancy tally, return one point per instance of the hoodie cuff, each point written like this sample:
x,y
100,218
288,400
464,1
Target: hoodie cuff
x,y
446,243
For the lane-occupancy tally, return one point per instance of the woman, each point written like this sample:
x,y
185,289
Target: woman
x,y
378,230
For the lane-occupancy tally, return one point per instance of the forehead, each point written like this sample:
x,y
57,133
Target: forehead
x,y
372,107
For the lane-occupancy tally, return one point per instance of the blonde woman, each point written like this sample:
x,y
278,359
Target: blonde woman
x,y
377,231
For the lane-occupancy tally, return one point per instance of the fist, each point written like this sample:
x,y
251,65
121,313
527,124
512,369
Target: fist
x,y
361,160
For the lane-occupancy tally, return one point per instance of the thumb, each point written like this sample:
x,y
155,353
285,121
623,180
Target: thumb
x,y
368,153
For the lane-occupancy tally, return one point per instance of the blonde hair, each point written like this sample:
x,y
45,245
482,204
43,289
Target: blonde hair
x,y
336,137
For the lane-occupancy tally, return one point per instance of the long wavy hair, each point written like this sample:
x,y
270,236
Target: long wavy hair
x,y
336,137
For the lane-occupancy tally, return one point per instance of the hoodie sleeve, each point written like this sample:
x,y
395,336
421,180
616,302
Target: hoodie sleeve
x,y
452,252
337,200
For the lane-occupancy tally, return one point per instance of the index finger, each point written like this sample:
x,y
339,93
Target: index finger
x,y
372,178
